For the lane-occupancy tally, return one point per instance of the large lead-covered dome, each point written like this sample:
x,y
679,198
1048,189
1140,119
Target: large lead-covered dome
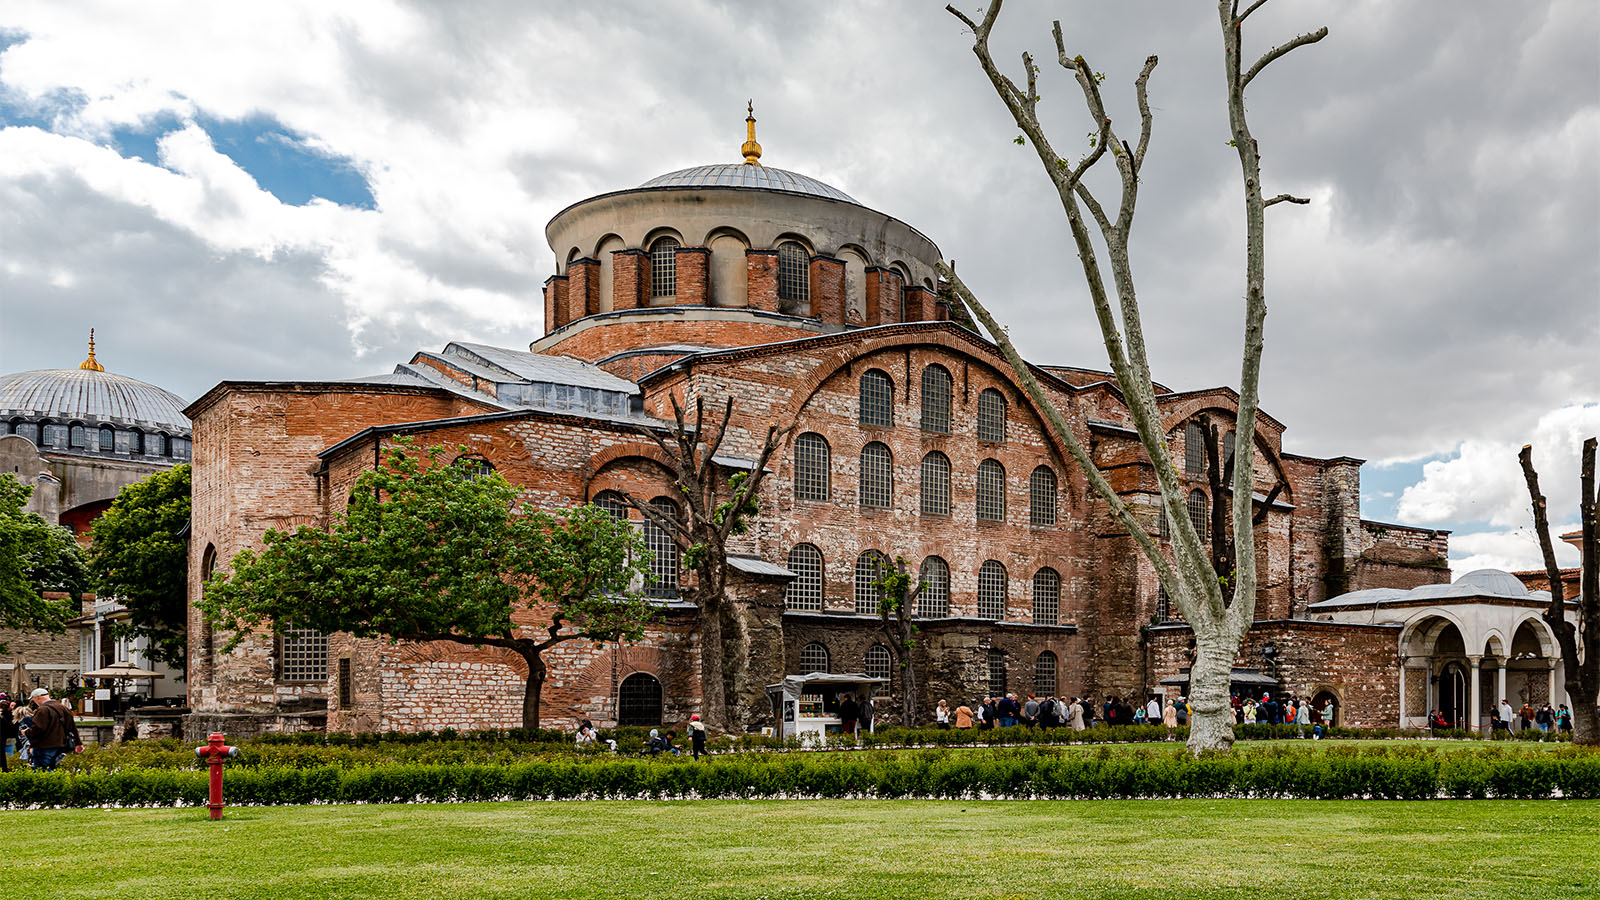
x,y
90,396
751,177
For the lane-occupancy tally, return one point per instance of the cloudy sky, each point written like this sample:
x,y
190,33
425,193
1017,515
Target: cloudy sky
x,y
313,189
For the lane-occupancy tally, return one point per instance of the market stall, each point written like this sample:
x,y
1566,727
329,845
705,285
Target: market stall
x,y
808,706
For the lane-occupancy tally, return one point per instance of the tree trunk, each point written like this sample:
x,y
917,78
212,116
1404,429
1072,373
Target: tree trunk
x,y
533,690
1210,713
1585,717
909,676
713,690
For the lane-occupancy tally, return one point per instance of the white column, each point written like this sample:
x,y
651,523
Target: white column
x,y
1475,694
1502,684
1553,703
1405,663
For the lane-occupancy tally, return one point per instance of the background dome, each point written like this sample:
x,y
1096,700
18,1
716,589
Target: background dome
x,y
743,175
90,396
1495,582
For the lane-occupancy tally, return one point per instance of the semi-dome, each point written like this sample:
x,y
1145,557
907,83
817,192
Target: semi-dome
x,y
90,395
748,177
1494,582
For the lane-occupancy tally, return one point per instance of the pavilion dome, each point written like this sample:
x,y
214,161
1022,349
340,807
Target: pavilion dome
x,y
90,396
1494,582
747,177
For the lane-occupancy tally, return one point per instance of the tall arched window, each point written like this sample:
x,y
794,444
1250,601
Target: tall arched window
x,y
877,476
991,500
80,439
936,390
155,444
1200,514
108,439
1042,496
1227,449
879,663
664,552
877,398
997,673
814,658
991,415
611,502
811,467
992,591
664,267
794,272
1044,675
1194,450
870,566
934,601
1163,604
805,591
936,484
639,701
1163,525
1046,596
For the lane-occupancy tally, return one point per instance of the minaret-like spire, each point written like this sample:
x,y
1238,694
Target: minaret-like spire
x,y
751,149
91,363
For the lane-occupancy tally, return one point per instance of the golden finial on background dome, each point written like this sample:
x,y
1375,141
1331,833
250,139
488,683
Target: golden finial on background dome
x,y
91,363
751,149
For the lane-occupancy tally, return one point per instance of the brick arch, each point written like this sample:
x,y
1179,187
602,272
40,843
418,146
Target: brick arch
x,y
450,651
1190,409
615,453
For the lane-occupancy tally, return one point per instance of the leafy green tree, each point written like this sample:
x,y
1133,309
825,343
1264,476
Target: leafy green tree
x,y
897,599
35,557
141,559
427,551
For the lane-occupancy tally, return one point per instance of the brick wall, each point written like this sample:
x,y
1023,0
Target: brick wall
x,y
629,273
693,284
827,289
763,285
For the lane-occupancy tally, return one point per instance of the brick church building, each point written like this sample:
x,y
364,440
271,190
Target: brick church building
x,y
910,440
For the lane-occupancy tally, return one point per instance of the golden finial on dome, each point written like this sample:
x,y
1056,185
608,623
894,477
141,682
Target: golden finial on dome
x,y
751,149
91,363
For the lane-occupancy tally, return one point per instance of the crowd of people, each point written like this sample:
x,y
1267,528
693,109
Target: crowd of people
x,y
1545,718
1077,713
38,732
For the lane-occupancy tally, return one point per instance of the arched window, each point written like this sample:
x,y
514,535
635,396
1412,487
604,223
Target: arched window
x,y
936,390
794,272
877,476
80,439
611,502
997,673
805,591
991,501
664,267
663,552
473,468
813,658
1227,449
155,444
811,467
1044,675
936,484
1200,514
879,663
877,398
29,430
1163,526
991,415
934,601
1194,450
1046,596
108,439
1042,496
55,434
1163,604
870,566
639,701
992,591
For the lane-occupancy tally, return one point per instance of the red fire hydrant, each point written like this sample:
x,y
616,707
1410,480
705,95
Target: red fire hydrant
x,y
215,752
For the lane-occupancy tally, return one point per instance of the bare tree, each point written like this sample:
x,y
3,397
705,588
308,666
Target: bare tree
x,y
897,599
1192,582
1582,675
719,506
1219,476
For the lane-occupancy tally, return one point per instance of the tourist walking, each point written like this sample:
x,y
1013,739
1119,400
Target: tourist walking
x,y
8,733
697,736
1075,715
1152,710
53,732
1545,718
1169,718
867,711
849,712
1302,717
1564,719
1526,716
1505,714
963,716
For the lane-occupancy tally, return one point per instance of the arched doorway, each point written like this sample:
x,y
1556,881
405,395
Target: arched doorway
x,y
1319,702
639,700
1453,694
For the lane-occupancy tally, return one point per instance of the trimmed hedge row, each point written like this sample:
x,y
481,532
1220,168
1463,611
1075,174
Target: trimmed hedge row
x,y
1027,773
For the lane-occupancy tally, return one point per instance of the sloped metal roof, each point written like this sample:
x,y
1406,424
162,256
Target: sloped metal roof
x,y
89,395
540,367
742,175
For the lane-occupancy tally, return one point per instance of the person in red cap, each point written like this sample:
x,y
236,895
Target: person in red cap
x,y
697,736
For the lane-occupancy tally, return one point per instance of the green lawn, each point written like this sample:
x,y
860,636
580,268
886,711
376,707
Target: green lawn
x,y
857,849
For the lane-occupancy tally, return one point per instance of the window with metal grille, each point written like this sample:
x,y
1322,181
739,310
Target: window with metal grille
x,y
1042,496
936,390
1200,514
877,475
155,444
303,655
1163,604
1194,449
879,663
54,435
663,553
664,267
639,700
611,502
805,591
1044,675
992,591
1227,449
811,467
936,484
473,468
997,673
108,439
794,272
877,398
79,437
991,500
870,566
813,658
991,415
934,601
1163,526
346,692
1046,596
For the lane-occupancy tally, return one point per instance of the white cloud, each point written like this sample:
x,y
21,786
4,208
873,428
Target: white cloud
x,y
1512,550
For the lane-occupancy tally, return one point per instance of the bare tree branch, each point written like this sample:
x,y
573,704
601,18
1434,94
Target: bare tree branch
x,y
1239,17
1310,37
1286,198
